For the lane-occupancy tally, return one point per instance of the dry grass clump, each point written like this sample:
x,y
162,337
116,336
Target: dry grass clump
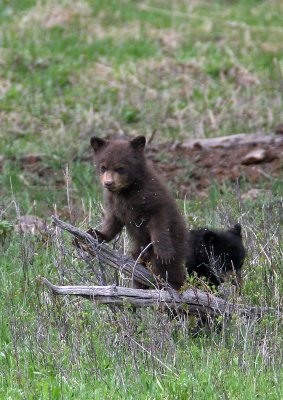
x,y
96,30
50,14
5,85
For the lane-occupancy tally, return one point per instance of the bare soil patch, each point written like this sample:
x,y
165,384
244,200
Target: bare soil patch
x,y
192,171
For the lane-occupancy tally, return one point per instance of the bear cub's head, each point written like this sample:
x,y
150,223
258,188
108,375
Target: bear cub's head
x,y
226,246
120,163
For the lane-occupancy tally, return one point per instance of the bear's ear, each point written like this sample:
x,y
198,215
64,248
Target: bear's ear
x,y
209,237
97,143
237,230
138,142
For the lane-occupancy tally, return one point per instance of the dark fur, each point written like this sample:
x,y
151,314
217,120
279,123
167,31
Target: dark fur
x,y
136,198
215,254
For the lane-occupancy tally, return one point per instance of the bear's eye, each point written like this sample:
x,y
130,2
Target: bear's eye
x,y
120,170
103,169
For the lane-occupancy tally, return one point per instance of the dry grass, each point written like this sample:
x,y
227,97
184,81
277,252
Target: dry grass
x,y
47,15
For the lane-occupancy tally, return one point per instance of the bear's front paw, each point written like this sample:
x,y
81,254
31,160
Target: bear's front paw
x,y
96,234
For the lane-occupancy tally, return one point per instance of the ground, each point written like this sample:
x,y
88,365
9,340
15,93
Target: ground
x,y
191,172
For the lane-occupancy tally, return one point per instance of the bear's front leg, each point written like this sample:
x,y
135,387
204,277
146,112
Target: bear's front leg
x,y
111,226
167,261
163,247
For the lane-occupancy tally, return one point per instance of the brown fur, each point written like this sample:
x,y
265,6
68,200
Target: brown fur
x,y
135,197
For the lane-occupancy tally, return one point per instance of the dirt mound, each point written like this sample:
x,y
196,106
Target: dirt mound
x,y
193,170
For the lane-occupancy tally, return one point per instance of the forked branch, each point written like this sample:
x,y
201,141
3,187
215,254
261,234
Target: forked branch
x,y
120,262
193,301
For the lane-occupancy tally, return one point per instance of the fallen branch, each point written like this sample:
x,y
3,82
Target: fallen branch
x,y
196,302
119,262
247,139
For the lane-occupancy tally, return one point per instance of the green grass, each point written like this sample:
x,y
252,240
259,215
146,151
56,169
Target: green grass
x,y
186,69
52,71
68,348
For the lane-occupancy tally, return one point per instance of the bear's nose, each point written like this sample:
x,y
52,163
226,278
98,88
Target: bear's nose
x,y
109,184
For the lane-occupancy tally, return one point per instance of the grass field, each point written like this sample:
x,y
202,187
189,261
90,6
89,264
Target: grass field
x,y
69,69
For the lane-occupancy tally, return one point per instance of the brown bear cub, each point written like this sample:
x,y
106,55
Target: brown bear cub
x,y
135,197
215,254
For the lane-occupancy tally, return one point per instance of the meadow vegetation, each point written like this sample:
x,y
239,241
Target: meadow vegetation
x,y
182,69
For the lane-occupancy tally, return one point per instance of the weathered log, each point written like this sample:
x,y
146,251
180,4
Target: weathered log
x,y
120,262
247,139
194,301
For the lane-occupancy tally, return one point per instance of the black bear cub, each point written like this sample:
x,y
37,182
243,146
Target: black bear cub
x,y
215,254
136,197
